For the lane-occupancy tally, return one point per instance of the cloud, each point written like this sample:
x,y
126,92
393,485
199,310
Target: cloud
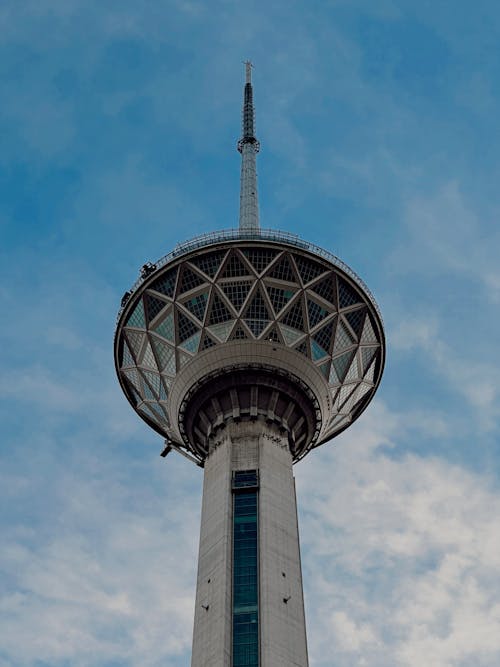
x,y
402,555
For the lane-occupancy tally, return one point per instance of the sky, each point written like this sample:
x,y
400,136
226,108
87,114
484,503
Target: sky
x,y
378,124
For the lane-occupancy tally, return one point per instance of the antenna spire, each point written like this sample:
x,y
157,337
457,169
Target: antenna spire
x,y
248,146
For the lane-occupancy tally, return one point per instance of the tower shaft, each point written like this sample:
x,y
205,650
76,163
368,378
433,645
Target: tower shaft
x,y
249,601
248,146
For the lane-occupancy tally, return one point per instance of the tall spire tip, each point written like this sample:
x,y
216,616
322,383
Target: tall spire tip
x,y
248,71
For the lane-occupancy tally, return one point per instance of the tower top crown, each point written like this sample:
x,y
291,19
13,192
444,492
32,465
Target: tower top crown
x,y
248,146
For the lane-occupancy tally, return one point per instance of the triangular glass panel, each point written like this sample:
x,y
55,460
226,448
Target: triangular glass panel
x,y
135,340
274,336
344,394
185,327
148,394
282,270
210,262
191,344
367,354
207,342
237,292
290,335
308,269
235,268
183,358
154,381
302,348
318,352
127,359
279,297
363,390
158,411
368,335
352,373
256,326
153,306
197,305
132,376
326,289
348,405
189,280
343,338
341,421
356,319
325,369
218,311
165,355
342,363
163,392
148,358
166,283
334,379
167,381
316,313
239,334
295,316
324,336
136,317
145,409
260,258
347,295
166,328
370,375
221,331
257,309
336,419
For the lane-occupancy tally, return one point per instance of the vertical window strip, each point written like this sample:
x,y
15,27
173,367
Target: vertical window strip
x,y
245,571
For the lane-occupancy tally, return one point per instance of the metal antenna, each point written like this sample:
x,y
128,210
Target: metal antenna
x,y
248,146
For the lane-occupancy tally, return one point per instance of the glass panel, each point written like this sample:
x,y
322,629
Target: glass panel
x,y
166,328
183,358
324,336
290,335
197,305
326,289
344,393
333,375
239,334
132,376
348,405
342,338
207,342
370,375
153,306
163,392
148,358
221,331
352,373
273,335
342,363
260,258
158,412
279,297
245,580
148,394
165,355
235,268
325,369
347,295
256,326
363,390
136,318
210,262
237,292
191,344
317,351
302,348
135,339
367,354
218,311
368,335
356,319
127,359
257,309
244,478
295,316
185,327
307,268
189,280
145,409
316,313
283,271
166,283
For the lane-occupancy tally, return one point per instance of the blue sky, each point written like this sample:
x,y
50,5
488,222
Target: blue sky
x,y
380,142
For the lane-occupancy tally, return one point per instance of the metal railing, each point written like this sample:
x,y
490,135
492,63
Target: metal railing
x,y
277,236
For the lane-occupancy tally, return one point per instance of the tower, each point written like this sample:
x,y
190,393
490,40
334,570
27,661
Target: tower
x,y
245,349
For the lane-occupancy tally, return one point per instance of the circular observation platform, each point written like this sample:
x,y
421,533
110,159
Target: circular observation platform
x,y
245,326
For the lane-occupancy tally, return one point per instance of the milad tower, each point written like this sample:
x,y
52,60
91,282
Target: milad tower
x,y
246,349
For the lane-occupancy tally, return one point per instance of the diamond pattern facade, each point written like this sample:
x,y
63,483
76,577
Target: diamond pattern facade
x,y
249,292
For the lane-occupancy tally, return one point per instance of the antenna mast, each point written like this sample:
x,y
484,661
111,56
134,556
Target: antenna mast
x,y
248,146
